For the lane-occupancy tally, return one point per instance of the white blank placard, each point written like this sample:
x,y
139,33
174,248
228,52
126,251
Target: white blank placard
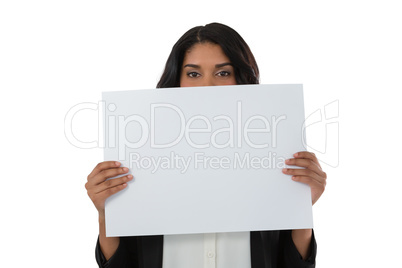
x,y
206,159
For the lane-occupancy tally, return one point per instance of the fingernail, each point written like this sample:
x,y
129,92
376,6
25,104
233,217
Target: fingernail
x,y
285,170
125,169
117,163
287,161
130,176
296,154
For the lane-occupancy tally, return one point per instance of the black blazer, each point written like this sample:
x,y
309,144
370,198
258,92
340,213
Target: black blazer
x,y
269,249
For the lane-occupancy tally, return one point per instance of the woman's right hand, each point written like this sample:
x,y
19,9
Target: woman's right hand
x,y
99,188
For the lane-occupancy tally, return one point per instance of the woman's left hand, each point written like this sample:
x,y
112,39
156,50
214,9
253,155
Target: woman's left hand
x,y
311,175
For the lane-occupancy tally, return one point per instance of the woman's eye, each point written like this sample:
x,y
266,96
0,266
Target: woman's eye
x,y
193,74
223,73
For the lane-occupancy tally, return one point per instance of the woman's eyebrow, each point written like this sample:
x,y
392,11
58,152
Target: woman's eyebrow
x,y
198,66
191,65
222,64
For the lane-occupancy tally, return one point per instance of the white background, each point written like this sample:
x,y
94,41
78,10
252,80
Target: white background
x,y
56,54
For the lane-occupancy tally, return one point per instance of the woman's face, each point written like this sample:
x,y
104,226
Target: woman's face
x,y
205,64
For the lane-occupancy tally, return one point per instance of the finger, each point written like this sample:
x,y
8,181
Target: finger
x,y
314,184
106,174
111,191
112,183
307,155
307,163
302,172
102,166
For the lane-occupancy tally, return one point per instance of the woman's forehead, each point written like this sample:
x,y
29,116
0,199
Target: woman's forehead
x,y
204,53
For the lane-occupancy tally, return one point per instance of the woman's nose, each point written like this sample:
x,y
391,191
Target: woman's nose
x,y
208,81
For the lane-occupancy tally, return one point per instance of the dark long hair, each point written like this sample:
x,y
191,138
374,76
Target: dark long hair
x,y
233,45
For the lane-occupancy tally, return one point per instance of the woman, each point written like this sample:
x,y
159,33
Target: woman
x,y
208,55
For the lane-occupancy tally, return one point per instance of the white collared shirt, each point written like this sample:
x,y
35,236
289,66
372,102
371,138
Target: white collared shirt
x,y
213,250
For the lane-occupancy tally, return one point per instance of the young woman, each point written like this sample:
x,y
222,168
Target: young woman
x,y
209,55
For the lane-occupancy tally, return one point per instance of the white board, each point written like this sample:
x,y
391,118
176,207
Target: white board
x,y
206,159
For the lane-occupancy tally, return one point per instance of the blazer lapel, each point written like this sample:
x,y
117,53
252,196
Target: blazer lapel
x,y
150,251
264,249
